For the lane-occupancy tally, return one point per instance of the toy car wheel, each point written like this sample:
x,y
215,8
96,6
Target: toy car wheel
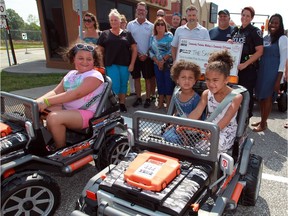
x,y
114,150
29,194
252,178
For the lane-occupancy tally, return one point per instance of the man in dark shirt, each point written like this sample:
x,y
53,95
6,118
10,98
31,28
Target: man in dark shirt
x,y
223,31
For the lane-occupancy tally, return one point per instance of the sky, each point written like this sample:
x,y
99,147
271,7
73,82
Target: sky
x,y
23,7
268,8
27,7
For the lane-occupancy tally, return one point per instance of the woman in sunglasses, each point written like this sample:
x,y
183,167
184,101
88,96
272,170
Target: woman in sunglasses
x,y
91,32
160,53
74,100
120,52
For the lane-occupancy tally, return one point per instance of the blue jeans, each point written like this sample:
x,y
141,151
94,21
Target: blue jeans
x,y
172,136
165,84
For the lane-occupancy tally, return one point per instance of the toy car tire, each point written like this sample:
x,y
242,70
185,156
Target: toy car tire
x,y
114,150
29,192
252,178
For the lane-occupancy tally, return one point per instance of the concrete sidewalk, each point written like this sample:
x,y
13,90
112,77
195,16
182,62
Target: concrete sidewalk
x,y
32,60
33,67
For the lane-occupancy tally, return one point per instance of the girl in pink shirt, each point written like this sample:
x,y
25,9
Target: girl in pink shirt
x,y
71,101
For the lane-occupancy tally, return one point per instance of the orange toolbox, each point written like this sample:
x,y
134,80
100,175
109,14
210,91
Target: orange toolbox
x,y
5,129
152,171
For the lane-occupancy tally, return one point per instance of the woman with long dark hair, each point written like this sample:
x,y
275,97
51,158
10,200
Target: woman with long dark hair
x,y
91,32
271,68
160,53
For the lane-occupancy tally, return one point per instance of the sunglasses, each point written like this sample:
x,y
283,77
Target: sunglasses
x,y
160,24
84,47
88,20
176,14
160,15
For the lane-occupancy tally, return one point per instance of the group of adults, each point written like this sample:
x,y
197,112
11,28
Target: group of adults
x,y
148,50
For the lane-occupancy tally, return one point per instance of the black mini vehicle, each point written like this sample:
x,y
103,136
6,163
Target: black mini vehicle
x,y
26,184
190,177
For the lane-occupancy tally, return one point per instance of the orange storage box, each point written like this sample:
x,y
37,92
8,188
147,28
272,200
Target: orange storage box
x,y
5,129
152,171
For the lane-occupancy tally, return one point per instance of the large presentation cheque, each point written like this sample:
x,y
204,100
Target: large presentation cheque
x,y
198,51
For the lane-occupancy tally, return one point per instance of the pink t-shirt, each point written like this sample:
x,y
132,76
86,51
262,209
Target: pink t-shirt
x,y
72,80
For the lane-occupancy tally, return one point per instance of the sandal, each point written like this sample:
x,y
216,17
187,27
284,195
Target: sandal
x,y
160,106
255,124
259,128
51,148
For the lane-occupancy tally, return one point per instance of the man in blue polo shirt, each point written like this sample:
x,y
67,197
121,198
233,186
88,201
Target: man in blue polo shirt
x,y
223,31
191,30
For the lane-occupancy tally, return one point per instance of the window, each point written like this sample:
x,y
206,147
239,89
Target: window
x,y
103,8
55,26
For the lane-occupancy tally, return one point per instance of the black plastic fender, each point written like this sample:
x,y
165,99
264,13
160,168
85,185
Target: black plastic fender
x,y
245,156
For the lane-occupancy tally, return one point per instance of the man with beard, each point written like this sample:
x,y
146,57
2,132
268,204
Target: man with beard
x,y
191,30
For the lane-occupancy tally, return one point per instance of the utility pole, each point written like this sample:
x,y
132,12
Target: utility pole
x,y
11,42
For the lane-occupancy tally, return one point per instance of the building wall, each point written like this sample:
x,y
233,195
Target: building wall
x,y
71,21
71,24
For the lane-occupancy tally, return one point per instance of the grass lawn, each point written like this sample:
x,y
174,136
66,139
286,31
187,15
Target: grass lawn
x,y
15,81
22,45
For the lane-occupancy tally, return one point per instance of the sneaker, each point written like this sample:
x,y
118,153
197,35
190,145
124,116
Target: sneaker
x,y
153,98
147,103
123,108
137,102
132,94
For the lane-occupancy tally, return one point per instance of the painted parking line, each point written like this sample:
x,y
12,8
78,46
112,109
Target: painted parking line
x,y
270,177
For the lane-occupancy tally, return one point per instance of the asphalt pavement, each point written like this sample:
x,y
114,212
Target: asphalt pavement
x,y
270,144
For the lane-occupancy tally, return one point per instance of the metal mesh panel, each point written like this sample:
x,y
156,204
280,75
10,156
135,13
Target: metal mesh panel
x,y
17,108
194,139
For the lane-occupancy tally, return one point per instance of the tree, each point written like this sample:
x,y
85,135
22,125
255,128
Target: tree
x,y
14,20
17,26
32,19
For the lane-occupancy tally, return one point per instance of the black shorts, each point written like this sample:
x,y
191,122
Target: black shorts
x,y
146,67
